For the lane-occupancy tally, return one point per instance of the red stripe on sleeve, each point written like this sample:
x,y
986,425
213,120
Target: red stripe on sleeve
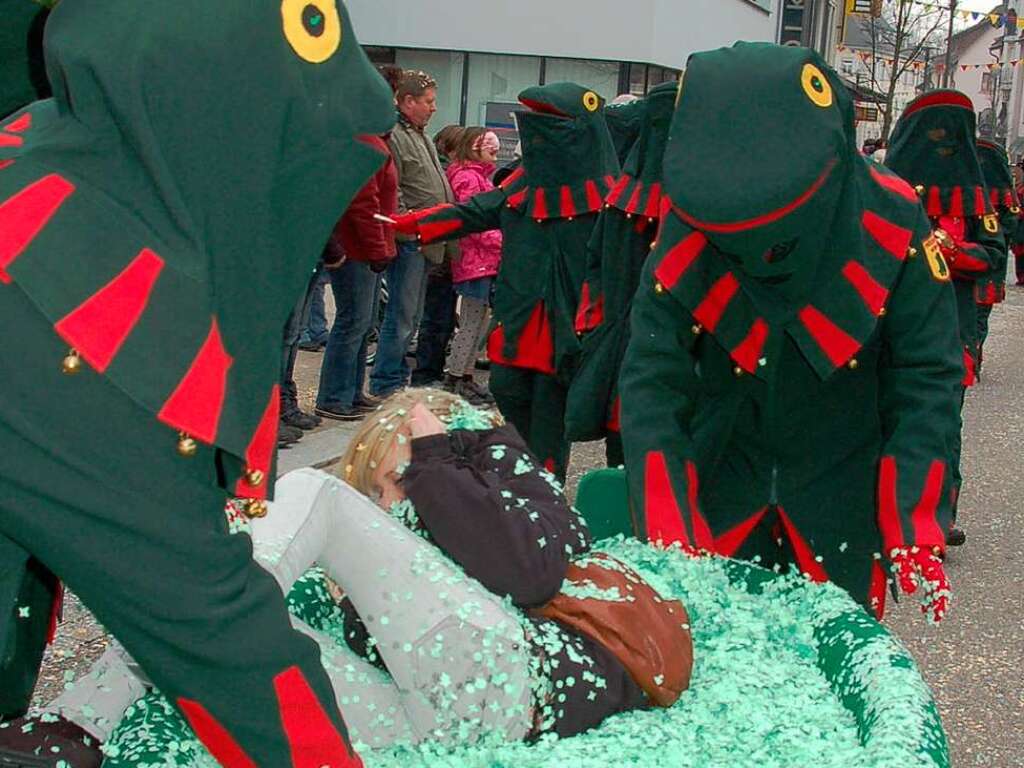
x,y
893,238
710,310
260,452
748,352
214,736
888,505
196,403
26,213
312,737
871,291
927,531
662,514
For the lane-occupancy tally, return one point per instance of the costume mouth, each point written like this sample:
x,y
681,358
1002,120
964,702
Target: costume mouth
x,y
542,108
765,218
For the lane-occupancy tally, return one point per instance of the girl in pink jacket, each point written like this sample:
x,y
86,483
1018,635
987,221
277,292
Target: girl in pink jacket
x,y
473,163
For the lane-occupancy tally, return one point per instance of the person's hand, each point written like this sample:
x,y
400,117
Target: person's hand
x,y
916,567
423,423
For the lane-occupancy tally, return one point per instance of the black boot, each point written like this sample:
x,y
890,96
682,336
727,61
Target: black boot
x,y
35,743
956,537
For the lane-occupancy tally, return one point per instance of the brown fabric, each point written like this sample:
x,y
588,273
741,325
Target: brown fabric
x,y
649,635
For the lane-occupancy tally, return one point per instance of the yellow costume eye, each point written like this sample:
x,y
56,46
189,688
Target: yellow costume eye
x,y
591,101
816,86
312,28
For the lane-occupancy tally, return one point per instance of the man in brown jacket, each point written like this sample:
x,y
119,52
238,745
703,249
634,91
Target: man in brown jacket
x,y
421,184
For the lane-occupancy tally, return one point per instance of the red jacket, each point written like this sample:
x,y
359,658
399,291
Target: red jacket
x,y
358,235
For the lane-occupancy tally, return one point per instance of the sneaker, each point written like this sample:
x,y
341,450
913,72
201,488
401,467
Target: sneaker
x,y
956,537
368,402
36,743
475,394
482,364
286,435
352,413
312,346
297,418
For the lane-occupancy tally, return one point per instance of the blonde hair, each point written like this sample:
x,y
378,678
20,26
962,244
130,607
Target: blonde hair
x,y
379,432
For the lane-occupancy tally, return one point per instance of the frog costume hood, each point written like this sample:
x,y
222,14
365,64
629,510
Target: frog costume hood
x,y
166,221
744,227
569,162
933,148
995,169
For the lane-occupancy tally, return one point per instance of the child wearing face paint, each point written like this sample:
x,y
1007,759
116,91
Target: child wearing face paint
x,y
459,583
789,394
476,265
934,149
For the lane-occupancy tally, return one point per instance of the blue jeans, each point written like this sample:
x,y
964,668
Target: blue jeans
x,y
292,331
356,290
407,287
315,331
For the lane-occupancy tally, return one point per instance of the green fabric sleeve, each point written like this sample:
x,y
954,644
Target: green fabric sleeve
x,y
450,222
919,397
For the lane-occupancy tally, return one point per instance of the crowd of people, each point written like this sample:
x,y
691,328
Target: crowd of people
x,y
776,347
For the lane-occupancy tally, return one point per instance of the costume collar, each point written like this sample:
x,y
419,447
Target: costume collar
x,y
564,201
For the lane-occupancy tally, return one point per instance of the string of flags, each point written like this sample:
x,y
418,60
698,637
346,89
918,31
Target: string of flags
x,y
937,66
998,20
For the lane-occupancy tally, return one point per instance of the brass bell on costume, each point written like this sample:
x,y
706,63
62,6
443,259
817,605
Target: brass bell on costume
x,y
919,189
72,363
187,446
255,509
854,364
255,478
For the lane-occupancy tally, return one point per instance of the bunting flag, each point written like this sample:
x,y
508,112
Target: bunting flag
x,y
938,66
997,20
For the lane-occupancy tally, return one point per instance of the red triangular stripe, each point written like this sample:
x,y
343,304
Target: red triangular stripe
x,y
195,405
748,352
634,199
701,530
7,140
5,164
979,201
214,736
956,203
804,554
260,452
934,207
540,204
894,184
595,200
888,505
993,195
837,345
312,737
927,531
567,206
513,177
617,190
653,201
100,325
871,291
662,515
24,215
893,238
536,347
21,124
714,304
516,200
679,258
729,542
609,181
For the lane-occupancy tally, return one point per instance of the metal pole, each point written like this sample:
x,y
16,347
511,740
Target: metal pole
x,y
949,45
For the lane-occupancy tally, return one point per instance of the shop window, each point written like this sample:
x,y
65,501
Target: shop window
x,y
602,77
495,79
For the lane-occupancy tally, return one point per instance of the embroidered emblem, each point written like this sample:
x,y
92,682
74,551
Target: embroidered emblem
x,y
936,261
991,222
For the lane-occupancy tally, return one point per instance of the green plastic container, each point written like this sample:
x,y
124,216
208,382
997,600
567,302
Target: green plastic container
x,y
871,681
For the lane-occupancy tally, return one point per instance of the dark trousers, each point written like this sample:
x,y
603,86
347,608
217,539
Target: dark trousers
x,y
534,403
293,328
436,329
91,486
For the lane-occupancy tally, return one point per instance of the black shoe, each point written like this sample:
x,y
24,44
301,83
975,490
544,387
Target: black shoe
x,y
287,435
368,403
35,743
956,537
352,413
475,394
312,346
300,419
482,364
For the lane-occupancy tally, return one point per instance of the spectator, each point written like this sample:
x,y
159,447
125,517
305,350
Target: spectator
x,y
360,249
445,141
314,337
293,419
421,184
474,269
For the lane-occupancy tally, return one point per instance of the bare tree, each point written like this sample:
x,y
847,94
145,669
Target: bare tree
x,y
899,34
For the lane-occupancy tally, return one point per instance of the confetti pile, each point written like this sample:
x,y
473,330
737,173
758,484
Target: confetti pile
x,y
786,674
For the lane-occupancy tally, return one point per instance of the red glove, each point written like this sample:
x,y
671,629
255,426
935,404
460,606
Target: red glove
x,y
407,223
916,567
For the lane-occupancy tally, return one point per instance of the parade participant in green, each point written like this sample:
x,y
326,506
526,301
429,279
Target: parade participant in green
x,y
546,212
624,117
990,288
22,72
790,388
616,254
158,219
933,148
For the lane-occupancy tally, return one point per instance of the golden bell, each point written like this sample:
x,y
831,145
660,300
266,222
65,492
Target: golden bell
x,y
72,363
883,312
911,252
943,238
854,364
1015,210
919,189
255,478
737,371
697,329
187,446
256,508
659,288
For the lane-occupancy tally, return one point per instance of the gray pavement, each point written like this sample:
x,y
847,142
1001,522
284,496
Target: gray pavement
x,y
974,661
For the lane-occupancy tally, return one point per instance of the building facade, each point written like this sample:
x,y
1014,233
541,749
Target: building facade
x,y
484,52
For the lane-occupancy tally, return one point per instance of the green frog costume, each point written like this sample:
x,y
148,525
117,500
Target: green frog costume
x,y
789,394
934,148
546,211
22,72
990,288
617,251
158,219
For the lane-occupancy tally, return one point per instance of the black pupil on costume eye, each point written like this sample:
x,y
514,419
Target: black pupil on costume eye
x,y
313,20
816,84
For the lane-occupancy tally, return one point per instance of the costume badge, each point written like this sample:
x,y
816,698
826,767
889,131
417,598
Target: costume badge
x,y
991,222
936,261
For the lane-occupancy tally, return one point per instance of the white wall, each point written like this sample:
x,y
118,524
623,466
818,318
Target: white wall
x,y
970,81
661,32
